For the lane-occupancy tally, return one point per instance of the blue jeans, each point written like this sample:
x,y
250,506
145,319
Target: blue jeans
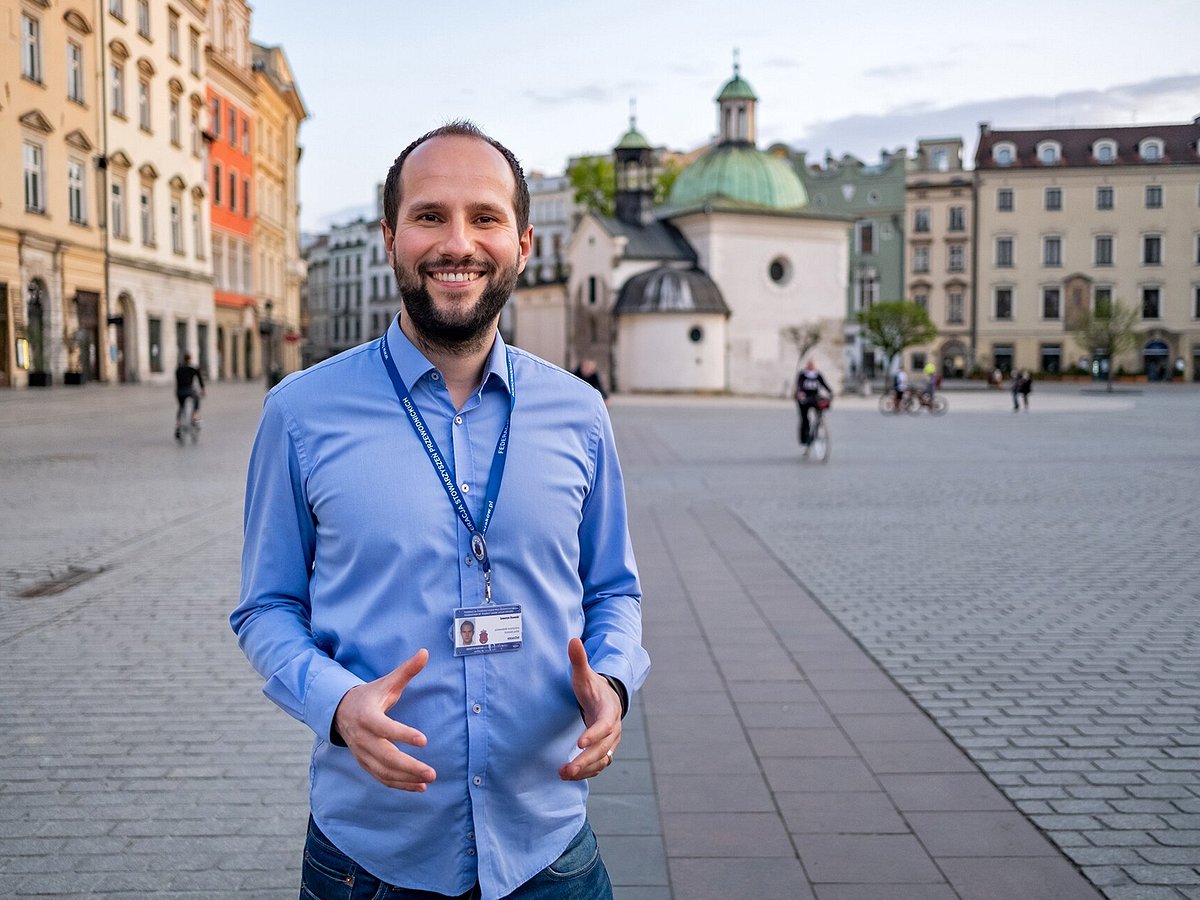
x,y
329,874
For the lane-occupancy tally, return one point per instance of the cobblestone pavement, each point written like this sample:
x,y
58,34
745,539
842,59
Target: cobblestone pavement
x,y
1030,579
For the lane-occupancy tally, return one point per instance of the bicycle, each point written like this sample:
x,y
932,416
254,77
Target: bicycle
x,y
187,427
888,403
818,434
936,404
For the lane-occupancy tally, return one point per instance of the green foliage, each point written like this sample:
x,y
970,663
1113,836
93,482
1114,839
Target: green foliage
x,y
594,180
1111,330
897,324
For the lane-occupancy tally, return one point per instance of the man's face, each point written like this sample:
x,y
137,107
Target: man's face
x,y
454,245
467,630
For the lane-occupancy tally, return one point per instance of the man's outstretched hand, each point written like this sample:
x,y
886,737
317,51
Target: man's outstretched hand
x,y
371,735
601,717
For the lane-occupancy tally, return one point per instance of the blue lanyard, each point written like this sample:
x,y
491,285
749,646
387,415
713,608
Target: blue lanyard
x,y
478,544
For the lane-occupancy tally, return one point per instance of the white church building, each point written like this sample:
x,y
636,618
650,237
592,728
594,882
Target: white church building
x,y
713,291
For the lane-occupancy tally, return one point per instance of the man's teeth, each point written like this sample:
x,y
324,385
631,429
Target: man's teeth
x,y
456,276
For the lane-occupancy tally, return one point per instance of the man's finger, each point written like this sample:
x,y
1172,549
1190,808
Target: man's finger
x,y
395,681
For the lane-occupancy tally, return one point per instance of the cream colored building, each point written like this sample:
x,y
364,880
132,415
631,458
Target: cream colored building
x,y
1071,219
156,201
52,292
279,111
938,259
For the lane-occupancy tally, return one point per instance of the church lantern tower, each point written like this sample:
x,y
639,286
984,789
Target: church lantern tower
x,y
634,162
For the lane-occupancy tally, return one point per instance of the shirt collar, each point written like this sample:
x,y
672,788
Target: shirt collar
x,y
413,366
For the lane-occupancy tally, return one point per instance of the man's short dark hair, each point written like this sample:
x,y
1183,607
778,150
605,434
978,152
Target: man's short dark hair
x,y
457,128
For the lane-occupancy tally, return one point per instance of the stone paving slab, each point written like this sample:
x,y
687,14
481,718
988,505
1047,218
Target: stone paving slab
x,y
967,560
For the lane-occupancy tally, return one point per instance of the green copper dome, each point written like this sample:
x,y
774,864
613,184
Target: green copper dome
x,y
633,140
739,175
738,88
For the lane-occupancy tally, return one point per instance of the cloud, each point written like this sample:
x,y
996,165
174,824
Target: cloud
x,y
1159,100
598,94
907,70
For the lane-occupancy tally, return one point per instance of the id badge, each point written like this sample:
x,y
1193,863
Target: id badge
x,y
494,628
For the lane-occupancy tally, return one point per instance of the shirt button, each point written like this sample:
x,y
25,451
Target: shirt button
x,y
436,377
477,781
470,835
458,420
469,560
476,708
466,488
470,851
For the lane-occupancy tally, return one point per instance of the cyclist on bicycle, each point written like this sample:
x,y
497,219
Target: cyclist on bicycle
x,y
899,387
809,385
187,377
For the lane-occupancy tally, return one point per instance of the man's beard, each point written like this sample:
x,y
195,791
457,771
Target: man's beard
x,y
467,331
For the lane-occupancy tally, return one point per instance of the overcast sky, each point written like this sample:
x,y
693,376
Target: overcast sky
x,y
554,79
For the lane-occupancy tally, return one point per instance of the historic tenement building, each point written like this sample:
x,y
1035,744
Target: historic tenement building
x,y
939,254
1079,218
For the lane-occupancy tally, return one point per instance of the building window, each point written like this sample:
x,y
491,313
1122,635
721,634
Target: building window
x,y
1051,357
116,77
31,48
865,232
1004,252
117,8
954,308
76,192
1002,357
956,260
144,104
216,184
1154,196
1151,150
232,126
1196,301
1104,198
117,208
146,209
1152,250
958,218
1150,302
246,197
197,137
173,34
74,72
197,230
921,219
922,300
592,290
245,135
1004,303
1003,154
1051,303
1052,251
1004,200
1105,152
1102,302
176,226
35,178
1049,153
920,259
174,117
866,290
1053,199
194,51
216,116
233,191
156,356
940,160
143,18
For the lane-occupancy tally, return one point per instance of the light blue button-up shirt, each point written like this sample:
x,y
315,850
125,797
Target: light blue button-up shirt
x,y
354,559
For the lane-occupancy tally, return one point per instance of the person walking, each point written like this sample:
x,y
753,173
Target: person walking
x,y
189,384
429,478
1022,384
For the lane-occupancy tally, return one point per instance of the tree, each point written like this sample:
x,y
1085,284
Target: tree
x,y
897,324
594,179
1110,330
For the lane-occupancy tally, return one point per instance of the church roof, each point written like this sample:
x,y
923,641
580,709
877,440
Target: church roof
x,y
737,88
655,240
669,290
741,176
633,140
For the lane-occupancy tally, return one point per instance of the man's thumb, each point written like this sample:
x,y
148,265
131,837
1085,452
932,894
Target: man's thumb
x,y
395,681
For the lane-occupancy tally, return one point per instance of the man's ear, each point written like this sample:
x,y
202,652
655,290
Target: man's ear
x,y
389,239
526,244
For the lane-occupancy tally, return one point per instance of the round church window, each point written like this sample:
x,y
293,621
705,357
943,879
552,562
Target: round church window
x,y
696,335
780,270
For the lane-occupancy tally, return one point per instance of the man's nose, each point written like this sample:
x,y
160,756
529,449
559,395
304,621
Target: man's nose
x,y
457,239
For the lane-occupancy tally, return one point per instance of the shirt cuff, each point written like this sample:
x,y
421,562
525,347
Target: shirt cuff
x,y
621,692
